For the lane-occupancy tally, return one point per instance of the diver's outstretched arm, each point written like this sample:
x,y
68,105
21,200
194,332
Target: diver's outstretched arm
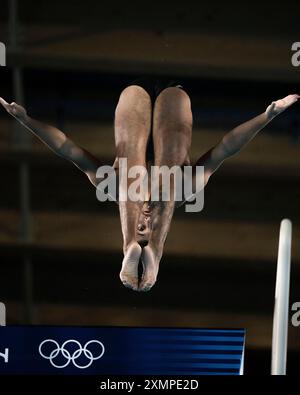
x,y
240,136
56,140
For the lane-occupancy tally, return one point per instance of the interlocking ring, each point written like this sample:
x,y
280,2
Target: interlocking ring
x,y
71,356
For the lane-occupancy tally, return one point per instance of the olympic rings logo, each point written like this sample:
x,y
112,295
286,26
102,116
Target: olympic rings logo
x,y
71,356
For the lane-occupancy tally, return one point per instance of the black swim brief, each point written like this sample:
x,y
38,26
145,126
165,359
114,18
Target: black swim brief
x,y
154,85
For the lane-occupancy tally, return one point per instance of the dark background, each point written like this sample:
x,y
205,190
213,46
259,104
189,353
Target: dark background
x,y
60,249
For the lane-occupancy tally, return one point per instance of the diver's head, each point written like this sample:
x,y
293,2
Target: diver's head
x,y
144,225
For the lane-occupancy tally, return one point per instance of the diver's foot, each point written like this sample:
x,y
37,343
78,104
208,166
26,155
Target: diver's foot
x,y
129,271
150,266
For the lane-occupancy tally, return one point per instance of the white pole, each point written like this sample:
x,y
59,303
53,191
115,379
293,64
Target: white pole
x,y
2,314
281,307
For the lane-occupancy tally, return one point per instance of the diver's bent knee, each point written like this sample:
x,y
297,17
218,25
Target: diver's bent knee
x,y
133,94
173,93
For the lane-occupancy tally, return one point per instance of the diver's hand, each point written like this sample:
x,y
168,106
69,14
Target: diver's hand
x,y
14,109
276,107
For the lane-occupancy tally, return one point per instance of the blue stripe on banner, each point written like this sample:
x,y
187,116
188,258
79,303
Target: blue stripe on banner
x,y
185,330
198,338
191,371
182,366
192,353
187,347
212,373
192,332
195,356
220,373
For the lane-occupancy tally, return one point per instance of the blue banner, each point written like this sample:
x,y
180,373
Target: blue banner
x,y
120,351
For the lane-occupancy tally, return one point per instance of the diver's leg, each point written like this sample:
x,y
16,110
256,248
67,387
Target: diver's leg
x,y
132,129
172,134
172,127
